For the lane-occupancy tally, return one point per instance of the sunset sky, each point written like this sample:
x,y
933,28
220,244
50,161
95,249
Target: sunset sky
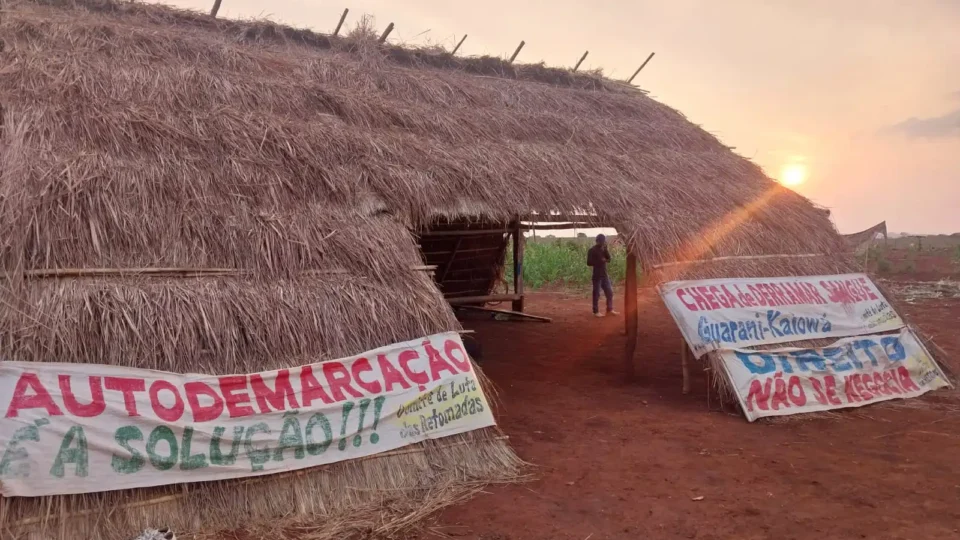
x,y
858,101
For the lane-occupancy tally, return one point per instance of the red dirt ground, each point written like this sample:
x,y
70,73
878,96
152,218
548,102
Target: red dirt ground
x,y
626,461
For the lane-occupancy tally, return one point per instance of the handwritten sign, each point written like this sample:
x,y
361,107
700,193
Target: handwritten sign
x,y
850,373
735,313
75,428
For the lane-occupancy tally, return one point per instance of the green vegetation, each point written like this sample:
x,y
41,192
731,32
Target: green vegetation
x,y
878,256
563,262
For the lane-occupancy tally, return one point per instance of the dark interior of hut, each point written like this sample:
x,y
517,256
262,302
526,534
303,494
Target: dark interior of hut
x,y
467,257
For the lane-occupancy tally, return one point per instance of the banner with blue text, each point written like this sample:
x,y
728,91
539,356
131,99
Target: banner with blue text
x,y
80,428
716,314
851,372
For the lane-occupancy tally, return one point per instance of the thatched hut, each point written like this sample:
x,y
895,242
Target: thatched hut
x,y
193,194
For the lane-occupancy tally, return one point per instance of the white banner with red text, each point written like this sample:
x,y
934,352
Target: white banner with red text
x,y
718,314
851,372
80,428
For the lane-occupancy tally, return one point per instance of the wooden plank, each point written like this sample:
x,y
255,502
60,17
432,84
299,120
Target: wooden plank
x,y
473,250
340,24
468,232
508,312
588,220
482,299
557,226
630,316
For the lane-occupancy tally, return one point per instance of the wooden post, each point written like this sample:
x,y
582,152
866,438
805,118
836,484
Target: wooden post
x,y
215,8
684,360
457,48
580,61
386,32
516,52
518,242
340,24
630,80
630,315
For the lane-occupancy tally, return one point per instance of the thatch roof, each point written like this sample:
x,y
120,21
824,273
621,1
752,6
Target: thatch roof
x,y
180,137
140,136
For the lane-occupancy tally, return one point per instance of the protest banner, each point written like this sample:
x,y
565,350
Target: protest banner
x,y
79,428
718,314
851,372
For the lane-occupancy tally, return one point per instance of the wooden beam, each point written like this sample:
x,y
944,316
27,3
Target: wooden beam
x,y
592,221
171,271
508,312
215,8
482,299
557,226
582,58
684,365
340,23
635,73
631,316
518,243
516,52
470,232
459,43
474,250
386,32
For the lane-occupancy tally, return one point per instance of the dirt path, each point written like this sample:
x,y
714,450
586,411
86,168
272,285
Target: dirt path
x,y
619,461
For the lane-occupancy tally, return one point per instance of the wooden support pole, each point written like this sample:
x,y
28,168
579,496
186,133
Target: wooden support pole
x,y
506,312
386,32
457,48
630,80
516,52
684,361
340,24
582,58
482,299
630,315
215,8
518,243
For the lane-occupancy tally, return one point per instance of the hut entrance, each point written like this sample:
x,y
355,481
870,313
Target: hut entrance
x,y
478,265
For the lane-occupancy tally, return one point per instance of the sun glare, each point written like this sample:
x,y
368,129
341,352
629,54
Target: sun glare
x,y
793,174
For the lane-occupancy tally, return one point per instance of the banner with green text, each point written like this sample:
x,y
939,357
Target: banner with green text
x,y
81,428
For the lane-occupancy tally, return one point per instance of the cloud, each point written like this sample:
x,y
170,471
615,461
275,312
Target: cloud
x,y
947,125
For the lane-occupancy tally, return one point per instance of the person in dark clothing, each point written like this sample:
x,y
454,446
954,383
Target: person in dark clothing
x,y
597,258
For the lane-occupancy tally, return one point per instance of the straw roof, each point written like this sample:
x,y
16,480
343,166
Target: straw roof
x,y
186,140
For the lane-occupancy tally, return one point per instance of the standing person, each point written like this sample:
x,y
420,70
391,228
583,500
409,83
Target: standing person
x,y
598,257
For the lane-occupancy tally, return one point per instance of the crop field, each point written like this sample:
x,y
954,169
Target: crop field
x,y
562,262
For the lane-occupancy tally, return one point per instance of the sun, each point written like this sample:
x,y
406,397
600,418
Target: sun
x,y
793,174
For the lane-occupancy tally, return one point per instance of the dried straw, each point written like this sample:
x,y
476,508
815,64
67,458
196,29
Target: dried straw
x,y
178,137
138,136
